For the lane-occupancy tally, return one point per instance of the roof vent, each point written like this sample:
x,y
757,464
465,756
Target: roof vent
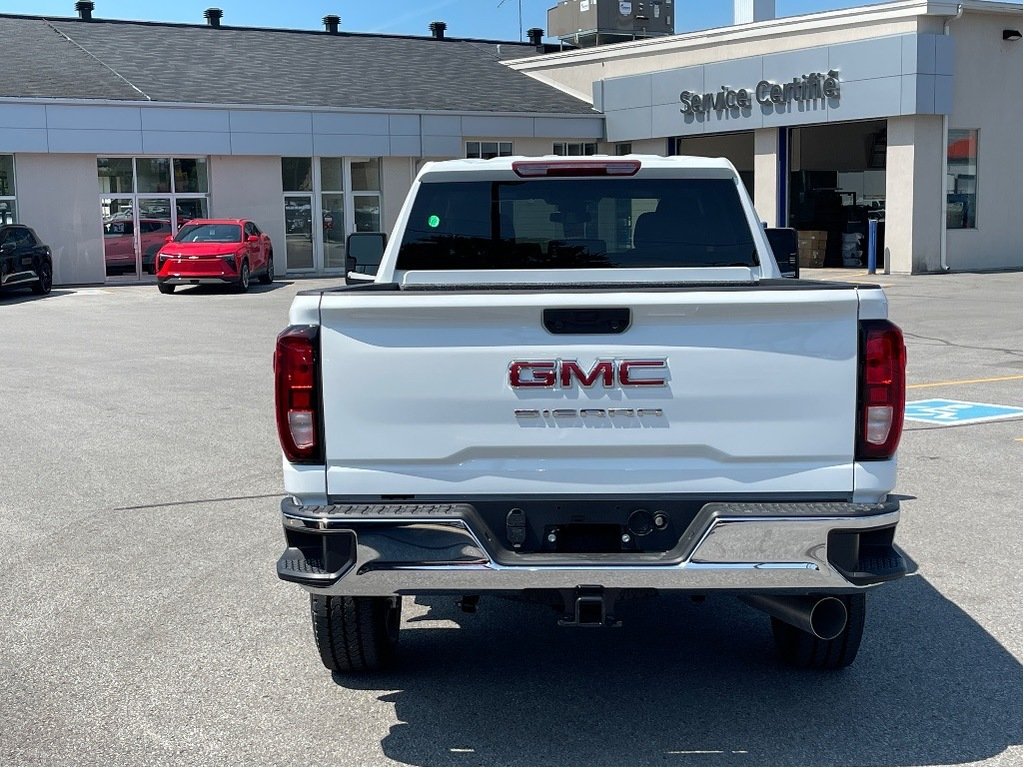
x,y
536,36
213,16
437,29
331,23
85,9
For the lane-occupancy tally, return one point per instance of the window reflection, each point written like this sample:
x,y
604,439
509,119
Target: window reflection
x,y
115,174
190,175
962,179
296,174
154,174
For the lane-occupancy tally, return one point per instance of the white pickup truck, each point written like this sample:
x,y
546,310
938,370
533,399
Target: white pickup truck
x,y
581,380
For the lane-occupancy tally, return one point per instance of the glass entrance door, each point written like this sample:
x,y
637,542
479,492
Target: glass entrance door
x,y
333,218
298,232
154,225
120,251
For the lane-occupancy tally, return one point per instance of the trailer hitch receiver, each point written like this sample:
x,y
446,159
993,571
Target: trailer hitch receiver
x,y
588,606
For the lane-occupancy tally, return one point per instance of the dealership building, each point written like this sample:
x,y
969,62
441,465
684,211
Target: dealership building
x,y
112,133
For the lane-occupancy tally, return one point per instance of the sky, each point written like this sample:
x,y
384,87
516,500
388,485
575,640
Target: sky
x,y
488,19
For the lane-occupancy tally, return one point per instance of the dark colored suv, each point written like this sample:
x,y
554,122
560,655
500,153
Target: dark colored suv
x,y
25,262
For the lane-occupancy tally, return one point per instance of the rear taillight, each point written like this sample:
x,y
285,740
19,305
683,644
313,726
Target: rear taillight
x,y
297,394
534,168
881,396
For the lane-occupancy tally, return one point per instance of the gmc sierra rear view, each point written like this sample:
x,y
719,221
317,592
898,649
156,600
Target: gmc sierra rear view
x,y
581,380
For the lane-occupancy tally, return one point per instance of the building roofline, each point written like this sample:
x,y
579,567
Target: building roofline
x,y
232,28
250,107
771,28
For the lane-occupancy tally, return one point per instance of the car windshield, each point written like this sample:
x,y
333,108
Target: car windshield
x,y
209,233
577,223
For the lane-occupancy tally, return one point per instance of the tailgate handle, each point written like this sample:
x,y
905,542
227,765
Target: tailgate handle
x,y
598,320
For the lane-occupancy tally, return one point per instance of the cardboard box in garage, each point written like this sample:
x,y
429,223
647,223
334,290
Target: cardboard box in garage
x,y
811,245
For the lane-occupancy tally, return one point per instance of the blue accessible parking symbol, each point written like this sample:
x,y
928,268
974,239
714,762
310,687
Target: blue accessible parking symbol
x,y
948,412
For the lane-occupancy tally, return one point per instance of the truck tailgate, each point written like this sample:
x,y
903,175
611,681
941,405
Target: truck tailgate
x,y
760,394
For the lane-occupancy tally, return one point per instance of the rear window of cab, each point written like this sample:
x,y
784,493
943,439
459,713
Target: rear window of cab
x,y
577,223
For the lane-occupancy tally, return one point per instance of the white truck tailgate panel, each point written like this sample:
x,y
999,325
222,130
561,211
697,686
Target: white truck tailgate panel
x,y
760,398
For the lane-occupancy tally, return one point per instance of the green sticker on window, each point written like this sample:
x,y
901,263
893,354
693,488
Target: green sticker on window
x,y
434,221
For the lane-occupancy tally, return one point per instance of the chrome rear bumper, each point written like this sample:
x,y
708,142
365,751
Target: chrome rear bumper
x,y
393,549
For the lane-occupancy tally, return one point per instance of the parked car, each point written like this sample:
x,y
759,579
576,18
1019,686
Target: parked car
x,y
119,243
25,262
217,251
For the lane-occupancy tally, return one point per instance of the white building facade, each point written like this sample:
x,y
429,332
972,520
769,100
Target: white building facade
x,y
905,112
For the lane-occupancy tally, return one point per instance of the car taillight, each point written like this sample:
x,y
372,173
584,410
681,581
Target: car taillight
x,y
297,394
534,168
881,396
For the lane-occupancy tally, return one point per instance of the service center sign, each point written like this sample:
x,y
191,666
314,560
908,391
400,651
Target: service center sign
x,y
812,87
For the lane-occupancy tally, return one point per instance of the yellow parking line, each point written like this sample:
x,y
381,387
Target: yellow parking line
x,y
963,381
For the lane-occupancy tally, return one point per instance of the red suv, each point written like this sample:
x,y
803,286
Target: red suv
x,y
224,251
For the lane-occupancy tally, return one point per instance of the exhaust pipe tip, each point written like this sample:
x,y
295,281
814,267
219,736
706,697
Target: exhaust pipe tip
x,y
823,617
828,618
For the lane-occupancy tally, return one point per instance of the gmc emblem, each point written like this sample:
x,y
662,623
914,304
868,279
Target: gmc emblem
x,y
608,373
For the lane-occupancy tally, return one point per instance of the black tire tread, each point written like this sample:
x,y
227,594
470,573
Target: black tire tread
x,y
802,649
267,278
352,633
41,287
241,286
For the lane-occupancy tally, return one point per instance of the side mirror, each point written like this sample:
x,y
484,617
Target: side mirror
x,y
168,238
364,251
252,239
8,248
783,241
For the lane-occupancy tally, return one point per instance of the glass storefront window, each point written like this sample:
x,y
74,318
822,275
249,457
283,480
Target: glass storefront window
x,y
7,208
325,199
154,174
366,175
190,175
962,179
367,213
297,174
119,235
6,175
7,213
142,201
574,148
332,214
332,174
115,174
488,149
190,208
298,228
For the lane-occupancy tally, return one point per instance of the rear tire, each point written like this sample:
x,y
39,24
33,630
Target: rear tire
x,y
356,634
165,288
268,276
43,285
802,649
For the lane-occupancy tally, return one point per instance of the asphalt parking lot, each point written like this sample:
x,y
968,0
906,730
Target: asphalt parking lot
x,y
142,621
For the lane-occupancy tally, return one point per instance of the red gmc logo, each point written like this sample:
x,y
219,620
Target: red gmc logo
x,y
607,373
